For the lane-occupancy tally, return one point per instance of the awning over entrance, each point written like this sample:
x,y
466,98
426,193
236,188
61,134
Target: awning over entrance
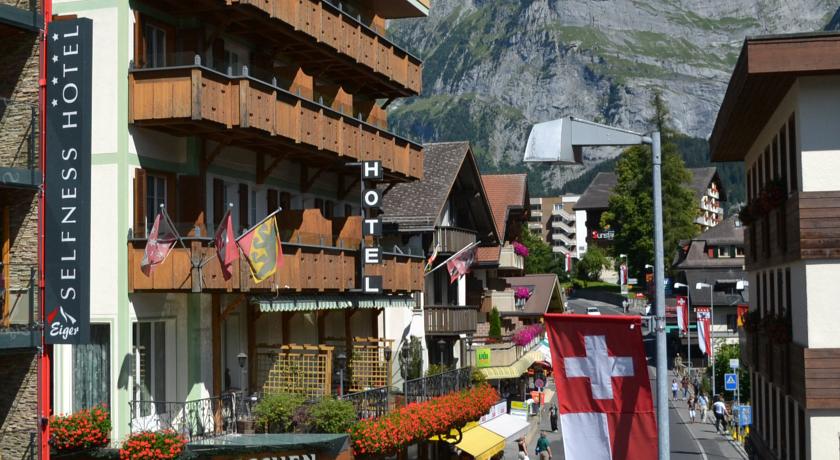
x,y
514,370
506,425
330,302
481,443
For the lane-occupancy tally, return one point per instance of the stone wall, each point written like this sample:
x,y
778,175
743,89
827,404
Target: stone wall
x,y
19,88
18,403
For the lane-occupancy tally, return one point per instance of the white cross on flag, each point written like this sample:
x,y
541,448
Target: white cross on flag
x,y
603,389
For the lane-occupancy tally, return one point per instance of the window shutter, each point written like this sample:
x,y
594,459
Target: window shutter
x,y
271,202
219,55
218,200
139,203
139,41
243,206
191,204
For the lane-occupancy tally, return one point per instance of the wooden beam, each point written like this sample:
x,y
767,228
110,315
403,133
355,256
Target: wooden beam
x,y
209,157
343,190
262,171
307,182
231,306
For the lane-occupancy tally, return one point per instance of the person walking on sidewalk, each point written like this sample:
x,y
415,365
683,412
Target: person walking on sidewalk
x,y
703,402
721,412
522,448
685,387
675,387
543,449
692,408
553,416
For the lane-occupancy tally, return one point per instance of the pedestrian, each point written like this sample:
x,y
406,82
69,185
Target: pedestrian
x,y
624,304
675,387
522,448
685,387
703,402
696,386
720,412
553,416
543,449
692,408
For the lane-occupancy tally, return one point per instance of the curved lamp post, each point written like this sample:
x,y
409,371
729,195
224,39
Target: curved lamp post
x,y
561,141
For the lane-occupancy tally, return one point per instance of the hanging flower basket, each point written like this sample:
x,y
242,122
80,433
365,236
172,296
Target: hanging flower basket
x,y
83,430
521,293
520,249
163,445
525,335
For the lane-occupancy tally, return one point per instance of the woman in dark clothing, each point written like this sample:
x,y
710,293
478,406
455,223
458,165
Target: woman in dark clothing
x,y
553,415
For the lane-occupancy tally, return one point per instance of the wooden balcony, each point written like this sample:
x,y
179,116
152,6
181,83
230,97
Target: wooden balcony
x,y
319,255
316,35
246,112
805,227
453,239
450,319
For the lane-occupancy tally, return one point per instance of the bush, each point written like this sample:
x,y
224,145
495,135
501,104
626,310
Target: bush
x,y
332,416
477,377
590,265
435,369
275,412
85,429
495,324
413,364
152,445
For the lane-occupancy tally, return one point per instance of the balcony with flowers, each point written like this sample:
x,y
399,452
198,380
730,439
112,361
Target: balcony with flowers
x,y
512,256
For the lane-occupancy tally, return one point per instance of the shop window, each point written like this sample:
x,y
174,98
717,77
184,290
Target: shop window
x,y
92,369
155,196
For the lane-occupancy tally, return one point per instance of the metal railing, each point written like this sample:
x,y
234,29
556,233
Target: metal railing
x,y
18,144
196,419
425,388
370,403
18,305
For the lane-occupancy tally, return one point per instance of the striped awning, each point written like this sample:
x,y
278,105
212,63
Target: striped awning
x,y
330,302
514,370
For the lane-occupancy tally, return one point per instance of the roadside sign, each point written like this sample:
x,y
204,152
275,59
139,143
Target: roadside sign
x,y
730,382
734,363
539,383
633,281
744,414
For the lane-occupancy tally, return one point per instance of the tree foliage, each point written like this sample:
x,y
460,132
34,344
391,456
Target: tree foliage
x,y
495,324
630,212
723,354
590,265
540,257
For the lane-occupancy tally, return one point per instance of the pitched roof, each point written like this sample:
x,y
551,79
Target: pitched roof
x,y
728,232
488,255
543,287
504,191
597,195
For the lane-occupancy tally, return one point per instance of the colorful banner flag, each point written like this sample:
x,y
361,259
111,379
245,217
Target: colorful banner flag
x,y
162,239
432,258
622,274
568,263
603,389
704,329
225,247
742,313
261,248
460,265
682,313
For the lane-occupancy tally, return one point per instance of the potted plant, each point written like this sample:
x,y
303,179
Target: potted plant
x,y
83,430
163,445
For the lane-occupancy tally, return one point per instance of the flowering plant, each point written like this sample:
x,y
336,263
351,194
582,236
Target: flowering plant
x,y
152,445
522,292
85,429
520,249
388,434
525,335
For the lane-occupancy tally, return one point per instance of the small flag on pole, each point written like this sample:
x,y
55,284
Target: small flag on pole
x,y
704,328
432,258
225,247
261,248
459,265
682,314
568,263
162,239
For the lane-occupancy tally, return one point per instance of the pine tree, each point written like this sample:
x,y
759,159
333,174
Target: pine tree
x,y
495,324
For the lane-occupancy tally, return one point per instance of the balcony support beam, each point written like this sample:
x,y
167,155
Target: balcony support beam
x,y
262,171
307,182
344,188
232,306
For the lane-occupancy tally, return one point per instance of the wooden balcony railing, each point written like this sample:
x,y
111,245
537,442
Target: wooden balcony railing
x,y
450,319
318,255
196,100
453,239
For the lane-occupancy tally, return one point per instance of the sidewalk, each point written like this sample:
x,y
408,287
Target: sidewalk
x,y
712,444
535,424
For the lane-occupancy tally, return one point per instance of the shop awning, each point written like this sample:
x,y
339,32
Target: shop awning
x,y
481,443
514,370
330,302
506,425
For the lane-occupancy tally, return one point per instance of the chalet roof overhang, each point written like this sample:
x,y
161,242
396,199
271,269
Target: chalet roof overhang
x,y
764,73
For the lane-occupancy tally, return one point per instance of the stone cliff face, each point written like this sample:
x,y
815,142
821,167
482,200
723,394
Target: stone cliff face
x,y
495,67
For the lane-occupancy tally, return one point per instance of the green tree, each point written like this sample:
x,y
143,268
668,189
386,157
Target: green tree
x,y
540,257
723,354
630,212
495,324
590,265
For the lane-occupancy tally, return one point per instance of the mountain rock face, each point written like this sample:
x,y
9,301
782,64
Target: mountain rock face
x,y
493,68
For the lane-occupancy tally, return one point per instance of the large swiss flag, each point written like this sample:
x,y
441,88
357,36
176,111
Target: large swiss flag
x,y
603,389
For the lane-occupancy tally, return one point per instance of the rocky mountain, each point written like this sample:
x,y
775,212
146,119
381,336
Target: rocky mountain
x,y
495,67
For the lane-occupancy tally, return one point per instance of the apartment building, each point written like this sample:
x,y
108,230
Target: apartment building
x,y
556,220
779,118
21,25
201,108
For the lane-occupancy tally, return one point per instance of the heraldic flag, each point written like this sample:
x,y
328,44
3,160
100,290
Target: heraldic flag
x,y
603,390
459,265
261,248
225,247
162,239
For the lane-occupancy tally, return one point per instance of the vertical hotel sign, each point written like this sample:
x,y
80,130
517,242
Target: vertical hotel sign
x,y
67,182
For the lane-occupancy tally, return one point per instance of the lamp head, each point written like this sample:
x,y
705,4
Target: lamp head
x,y
742,284
242,358
680,285
388,354
341,360
551,141
702,286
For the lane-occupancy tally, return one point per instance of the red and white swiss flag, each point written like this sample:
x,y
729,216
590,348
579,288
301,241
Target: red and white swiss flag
x,y
603,389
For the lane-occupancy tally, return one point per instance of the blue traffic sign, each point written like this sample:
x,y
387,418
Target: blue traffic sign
x,y
744,414
730,382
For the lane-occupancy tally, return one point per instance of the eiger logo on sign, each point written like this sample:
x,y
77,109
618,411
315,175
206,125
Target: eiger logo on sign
x,y
64,327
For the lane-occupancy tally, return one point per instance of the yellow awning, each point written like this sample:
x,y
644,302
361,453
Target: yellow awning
x,y
453,433
514,370
481,443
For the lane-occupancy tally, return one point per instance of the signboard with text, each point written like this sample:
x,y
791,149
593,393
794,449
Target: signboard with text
x,y
67,182
482,357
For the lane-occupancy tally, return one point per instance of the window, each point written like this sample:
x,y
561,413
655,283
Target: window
x,y
794,178
149,339
328,209
739,251
252,208
92,369
732,322
783,156
155,41
286,200
155,196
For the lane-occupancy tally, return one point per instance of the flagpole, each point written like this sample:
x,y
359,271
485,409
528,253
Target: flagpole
x,y
172,225
465,248
280,208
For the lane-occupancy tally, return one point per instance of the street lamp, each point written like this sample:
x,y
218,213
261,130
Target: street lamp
x,y
243,359
711,288
469,348
561,141
687,320
341,361
441,344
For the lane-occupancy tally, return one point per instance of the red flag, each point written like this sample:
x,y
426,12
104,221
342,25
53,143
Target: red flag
x,y
704,328
261,248
603,389
162,239
568,263
682,313
460,265
225,247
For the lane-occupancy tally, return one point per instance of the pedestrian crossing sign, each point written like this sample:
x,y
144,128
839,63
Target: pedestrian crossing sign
x,y
730,382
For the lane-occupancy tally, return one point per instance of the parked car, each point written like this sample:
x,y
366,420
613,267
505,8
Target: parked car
x,y
593,311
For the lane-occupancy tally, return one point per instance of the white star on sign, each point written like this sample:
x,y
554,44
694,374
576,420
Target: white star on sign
x,y
55,37
55,58
598,366
55,80
54,102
